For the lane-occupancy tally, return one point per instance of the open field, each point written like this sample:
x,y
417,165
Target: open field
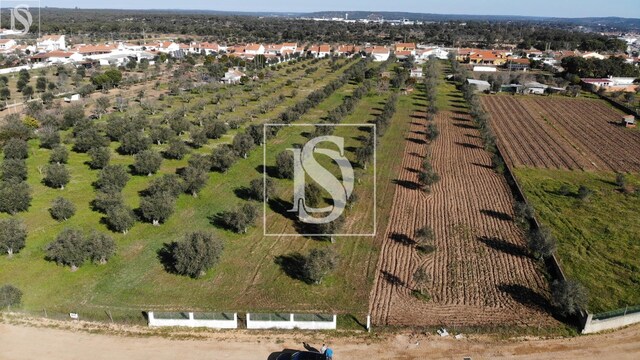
x,y
480,273
247,278
562,133
598,242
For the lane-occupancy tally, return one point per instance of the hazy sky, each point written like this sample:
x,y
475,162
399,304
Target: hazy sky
x,y
557,8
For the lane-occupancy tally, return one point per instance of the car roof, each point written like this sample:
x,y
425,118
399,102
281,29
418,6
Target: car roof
x,y
308,355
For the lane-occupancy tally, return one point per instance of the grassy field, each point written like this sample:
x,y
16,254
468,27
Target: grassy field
x,y
598,240
248,277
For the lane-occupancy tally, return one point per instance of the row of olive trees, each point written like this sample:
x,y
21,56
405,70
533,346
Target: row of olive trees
x,y
72,248
15,192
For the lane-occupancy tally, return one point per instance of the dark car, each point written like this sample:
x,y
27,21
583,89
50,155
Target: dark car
x,y
302,355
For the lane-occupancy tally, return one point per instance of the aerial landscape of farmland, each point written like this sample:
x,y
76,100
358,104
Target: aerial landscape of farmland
x,y
281,181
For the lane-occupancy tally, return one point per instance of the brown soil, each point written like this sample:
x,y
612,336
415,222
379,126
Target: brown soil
x,y
85,340
481,274
559,133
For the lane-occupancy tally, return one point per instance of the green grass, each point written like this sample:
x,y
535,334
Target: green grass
x,y
598,242
247,278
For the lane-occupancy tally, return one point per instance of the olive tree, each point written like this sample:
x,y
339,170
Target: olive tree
x,y
62,209
49,137
318,263
420,279
240,219
222,158
9,296
196,253
14,197
284,165
13,170
568,296
134,142
242,144
258,186
13,235
68,249
16,149
147,162
120,218
542,242
194,179
100,247
113,178
100,157
177,149
157,208
56,176
59,155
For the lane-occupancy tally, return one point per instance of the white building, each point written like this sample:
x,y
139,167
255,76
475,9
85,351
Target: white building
x,y
232,76
416,72
7,44
480,85
380,53
168,47
254,49
52,42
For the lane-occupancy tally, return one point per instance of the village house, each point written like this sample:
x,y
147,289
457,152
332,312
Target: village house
x,y
404,47
7,44
290,47
320,51
232,76
168,47
254,49
56,57
380,53
416,72
347,50
51,42
518,64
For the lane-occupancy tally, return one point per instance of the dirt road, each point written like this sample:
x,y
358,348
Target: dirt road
x,y
20,340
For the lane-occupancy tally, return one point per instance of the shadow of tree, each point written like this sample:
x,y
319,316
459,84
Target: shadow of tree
x,y
505,247
497,214
165,256
402,239
468,145
293,265
392,279
407,184
416,141
526,296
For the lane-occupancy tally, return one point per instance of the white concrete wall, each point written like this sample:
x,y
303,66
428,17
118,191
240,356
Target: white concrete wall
x,y
191,322
291,324
593,326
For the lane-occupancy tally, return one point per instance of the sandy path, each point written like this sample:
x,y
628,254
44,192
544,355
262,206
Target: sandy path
x,y
25,342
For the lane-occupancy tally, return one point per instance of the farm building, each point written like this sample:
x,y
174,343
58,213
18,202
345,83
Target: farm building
x,y
480,85
629,121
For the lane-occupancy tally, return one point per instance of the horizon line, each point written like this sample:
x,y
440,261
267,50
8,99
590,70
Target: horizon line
x,y
338,11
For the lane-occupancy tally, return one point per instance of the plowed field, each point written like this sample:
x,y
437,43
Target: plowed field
x,y
480,273
557,133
